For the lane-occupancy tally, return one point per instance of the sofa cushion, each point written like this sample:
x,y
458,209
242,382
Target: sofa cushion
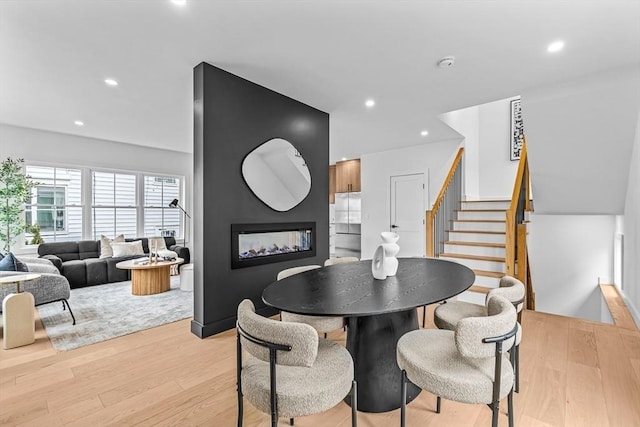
x,y
88,249
115,274
10,263
105,245
66,251
156,243
96,271
127,249
76,272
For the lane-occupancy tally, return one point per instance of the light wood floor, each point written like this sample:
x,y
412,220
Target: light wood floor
x,y
574,373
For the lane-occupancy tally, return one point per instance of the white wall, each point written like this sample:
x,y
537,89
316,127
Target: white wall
x,y
70,150
433,160
497,172
568,253
631,267
488,171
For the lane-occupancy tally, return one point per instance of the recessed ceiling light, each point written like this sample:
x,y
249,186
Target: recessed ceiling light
x,y
424,133
370,103
78,123
111,82
179,2
344,158
555,46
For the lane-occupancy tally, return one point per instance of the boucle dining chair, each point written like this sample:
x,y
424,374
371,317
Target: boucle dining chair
x,y
467,365
322,324
288,370
447,315
341,260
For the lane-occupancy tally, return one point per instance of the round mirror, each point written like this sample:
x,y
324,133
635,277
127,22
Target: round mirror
x,y
277,174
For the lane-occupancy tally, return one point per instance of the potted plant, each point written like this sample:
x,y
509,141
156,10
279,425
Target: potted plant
x,y
35,231
15,191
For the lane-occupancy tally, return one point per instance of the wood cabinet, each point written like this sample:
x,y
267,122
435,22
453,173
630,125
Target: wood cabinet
x,y
332,184
348,176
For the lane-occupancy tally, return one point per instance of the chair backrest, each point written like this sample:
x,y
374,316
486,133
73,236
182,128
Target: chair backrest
x,y
302,338
470,332
341,260
295,270
512,289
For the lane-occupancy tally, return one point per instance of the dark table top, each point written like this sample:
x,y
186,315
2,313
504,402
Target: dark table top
x,y
350,289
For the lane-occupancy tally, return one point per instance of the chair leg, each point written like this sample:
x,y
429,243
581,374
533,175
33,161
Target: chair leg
x,y
495,411
291,421
424,316
510,407
354,404
517,368
64,301
325,337
403,397
438,403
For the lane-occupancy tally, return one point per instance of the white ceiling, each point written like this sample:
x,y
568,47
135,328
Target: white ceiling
x,y
332,55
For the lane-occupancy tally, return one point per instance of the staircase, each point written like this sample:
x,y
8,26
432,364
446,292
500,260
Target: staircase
x,y
477,239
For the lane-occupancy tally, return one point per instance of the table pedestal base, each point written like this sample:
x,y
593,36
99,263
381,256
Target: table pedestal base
x,y
372,342
151,281
17,320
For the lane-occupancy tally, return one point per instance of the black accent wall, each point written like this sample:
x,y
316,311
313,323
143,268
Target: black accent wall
x,y
232,116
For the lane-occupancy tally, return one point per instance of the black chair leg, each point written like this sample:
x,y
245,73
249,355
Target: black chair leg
x,y
424,316
517,368
510,408
64,301
438,403
354,404
325,337
403,397
290,421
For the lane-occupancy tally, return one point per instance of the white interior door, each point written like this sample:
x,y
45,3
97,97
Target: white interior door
x,y
407,213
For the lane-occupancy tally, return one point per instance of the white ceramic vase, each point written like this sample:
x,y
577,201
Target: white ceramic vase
x,y
391,249
378,265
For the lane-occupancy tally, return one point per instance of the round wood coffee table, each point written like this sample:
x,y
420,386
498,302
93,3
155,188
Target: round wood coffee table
x,y
150,278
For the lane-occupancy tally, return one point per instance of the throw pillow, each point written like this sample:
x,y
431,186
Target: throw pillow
x,y
126,249
153,241
11,263
105,245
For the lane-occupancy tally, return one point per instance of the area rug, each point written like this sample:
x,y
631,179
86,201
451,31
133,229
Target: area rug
x,y
108,311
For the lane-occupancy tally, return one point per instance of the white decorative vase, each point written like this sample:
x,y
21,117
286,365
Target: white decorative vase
x,y
377,264
391,249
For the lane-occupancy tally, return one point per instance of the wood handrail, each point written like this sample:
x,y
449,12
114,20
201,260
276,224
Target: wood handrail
x,y
510,215
522,168
430,214
443,189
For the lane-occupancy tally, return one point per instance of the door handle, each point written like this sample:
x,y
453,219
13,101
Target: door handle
x,y
394,226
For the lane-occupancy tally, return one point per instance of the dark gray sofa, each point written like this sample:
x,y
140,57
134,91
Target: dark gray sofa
x,y
81,264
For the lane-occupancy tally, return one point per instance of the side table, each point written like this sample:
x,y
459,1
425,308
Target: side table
x,y
17,313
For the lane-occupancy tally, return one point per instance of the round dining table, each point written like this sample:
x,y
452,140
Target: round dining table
x,y
378,313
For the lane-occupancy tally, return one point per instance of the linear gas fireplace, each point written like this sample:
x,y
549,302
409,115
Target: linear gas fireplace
x,y
257,244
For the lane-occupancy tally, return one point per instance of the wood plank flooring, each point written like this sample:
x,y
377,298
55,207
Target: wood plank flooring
x,y
573,373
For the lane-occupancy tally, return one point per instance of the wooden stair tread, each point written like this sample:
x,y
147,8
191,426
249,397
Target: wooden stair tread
x,y
487,245
486,273
617,307
486,201
479,289
478,220
476,231
476,257
480,210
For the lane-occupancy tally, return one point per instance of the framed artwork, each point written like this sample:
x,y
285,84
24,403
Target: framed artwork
x,y
517,130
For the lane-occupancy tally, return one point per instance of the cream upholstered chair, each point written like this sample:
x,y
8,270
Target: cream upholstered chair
x,y
341,260
467,365
321,324
313,374
447,315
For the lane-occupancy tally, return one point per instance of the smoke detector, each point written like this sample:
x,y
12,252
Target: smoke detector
x,y
446,62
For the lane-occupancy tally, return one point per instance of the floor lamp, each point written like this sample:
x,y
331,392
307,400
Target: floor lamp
x,y
174,204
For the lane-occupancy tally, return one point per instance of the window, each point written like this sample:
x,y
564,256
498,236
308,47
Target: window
x,y
114,204
159,218
75,204
56,204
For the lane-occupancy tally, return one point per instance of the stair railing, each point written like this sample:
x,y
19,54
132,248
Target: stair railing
x,y
516,227
444,208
